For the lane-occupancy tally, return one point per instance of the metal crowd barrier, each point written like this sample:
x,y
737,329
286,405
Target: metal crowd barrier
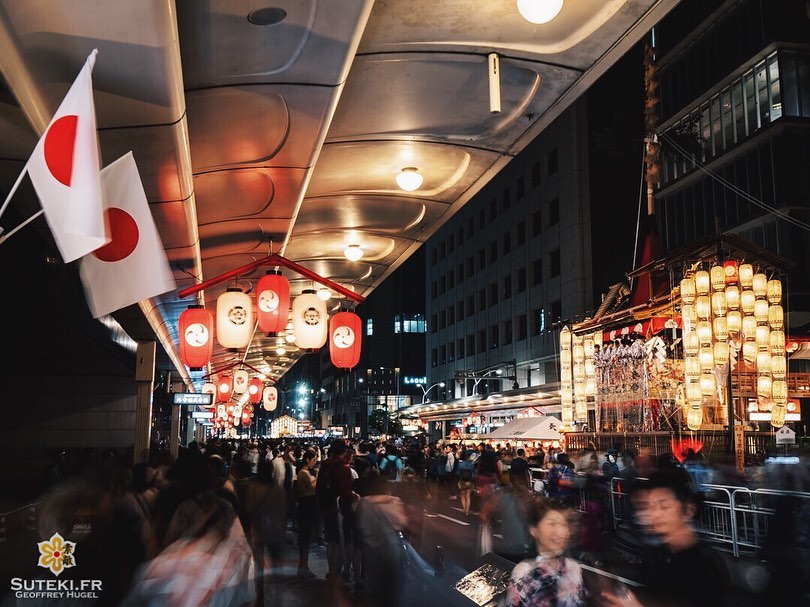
x,y
734,518
16,524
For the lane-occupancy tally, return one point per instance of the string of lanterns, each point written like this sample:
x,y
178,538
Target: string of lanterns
x,y
727,310
309,327
577,374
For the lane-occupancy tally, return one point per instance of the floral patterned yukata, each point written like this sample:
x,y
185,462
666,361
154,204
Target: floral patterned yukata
x,y
537,583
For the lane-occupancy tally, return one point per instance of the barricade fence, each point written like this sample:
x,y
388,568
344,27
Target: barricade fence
x,y
658,443
737,519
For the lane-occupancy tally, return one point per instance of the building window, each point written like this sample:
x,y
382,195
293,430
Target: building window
x,y
493,293
482,259
506,242
554,212
451,352
537,223
451,243
451,279
522,327
482,220
470,227
470,306
521,280
506,199
520,187
552,162
434,256
470,267
442,355
556,311
433,323
538,321
482,341
493,251
442,249
434,357
520,232
493,337
554,263
460,272
471,345
409,323
493,209
507,332
537,272
460,348
482,300
441,285
451,315
441,319
536,175
507,287
460,310
434,289
369,327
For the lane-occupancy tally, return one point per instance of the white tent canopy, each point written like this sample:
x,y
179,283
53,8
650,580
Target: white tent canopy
x,y
529,428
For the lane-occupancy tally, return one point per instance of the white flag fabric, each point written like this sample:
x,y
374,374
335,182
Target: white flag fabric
x,y
64,169
133,266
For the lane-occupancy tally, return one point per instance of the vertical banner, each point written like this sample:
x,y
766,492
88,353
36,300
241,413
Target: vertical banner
x,y
739,447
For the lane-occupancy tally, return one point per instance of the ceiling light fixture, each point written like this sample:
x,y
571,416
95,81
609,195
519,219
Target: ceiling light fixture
x,y
281,350
409,179
353,252
539,11
289,337
324,294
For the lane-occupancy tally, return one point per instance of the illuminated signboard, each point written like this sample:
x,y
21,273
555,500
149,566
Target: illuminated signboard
x,y
192,398
415,380
202,414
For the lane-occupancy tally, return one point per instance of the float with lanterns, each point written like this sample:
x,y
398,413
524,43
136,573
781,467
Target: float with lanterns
x,y
706,351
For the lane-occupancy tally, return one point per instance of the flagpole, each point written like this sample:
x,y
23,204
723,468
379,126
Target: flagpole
x,y
5,237
13,190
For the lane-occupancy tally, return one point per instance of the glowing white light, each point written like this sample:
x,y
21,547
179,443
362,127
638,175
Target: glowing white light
x,y
353,252
539,11
409,179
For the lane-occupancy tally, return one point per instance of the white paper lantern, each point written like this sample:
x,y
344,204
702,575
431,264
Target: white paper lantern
x,y
270,398
774,291
777,341
704,332
763,362
749,352
764,384
234,319
693,392
310,320
719,306
779,391
747,299
761,310
760,285
718,278
778,415
720,326
240,381
746,274
776,317
694,417
778,366
702,282
733,298
708,385
734,322
703,305
749,328
688,291
706,357
689,315
691,343
721,354
691,366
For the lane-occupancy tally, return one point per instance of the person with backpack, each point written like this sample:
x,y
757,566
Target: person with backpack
x,y
391,465
333,490
466,480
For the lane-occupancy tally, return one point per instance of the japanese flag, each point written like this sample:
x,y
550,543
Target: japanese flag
x,y
133,266
64,169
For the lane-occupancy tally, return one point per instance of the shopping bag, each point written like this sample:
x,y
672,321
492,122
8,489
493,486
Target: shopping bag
x,y
484,540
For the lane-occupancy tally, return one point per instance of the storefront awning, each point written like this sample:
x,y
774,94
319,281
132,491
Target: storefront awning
x,y
529,428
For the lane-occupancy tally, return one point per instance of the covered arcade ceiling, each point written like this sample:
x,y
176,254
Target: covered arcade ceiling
x,y
283,124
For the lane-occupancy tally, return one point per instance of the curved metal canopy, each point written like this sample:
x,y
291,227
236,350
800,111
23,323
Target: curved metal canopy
x,y
280,126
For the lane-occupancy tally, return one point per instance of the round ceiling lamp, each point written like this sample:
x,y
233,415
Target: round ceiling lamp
x,y
290,337
409,179
353,252
539,11
281,350
324,293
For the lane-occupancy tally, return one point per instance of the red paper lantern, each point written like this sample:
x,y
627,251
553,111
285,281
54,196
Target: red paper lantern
x,y
345,335
196,335
254,390
224,389
273,302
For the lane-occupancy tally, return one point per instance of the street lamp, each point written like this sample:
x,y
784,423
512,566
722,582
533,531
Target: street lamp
x,y
441,384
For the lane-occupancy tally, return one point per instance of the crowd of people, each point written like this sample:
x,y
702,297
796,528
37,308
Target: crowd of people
x,y
211,526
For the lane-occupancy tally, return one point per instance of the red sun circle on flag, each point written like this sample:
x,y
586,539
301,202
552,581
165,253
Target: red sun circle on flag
x,y
58,148
124,236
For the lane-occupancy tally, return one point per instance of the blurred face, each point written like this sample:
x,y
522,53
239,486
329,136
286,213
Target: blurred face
x,y
665,514
552,532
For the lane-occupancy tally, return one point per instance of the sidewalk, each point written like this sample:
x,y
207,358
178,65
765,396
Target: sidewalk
x,y
284,588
